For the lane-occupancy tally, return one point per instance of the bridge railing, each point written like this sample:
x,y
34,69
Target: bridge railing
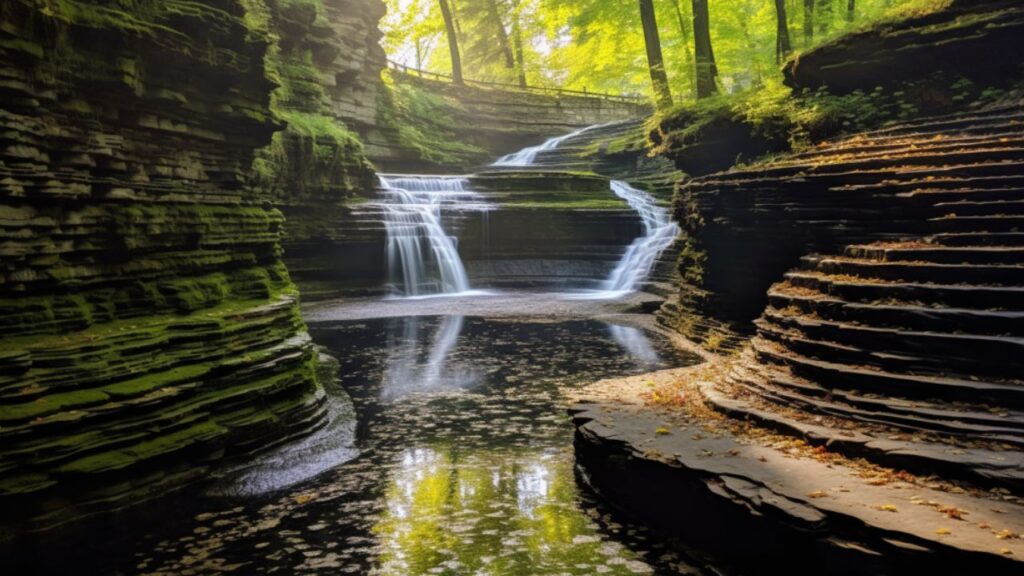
x,y
632,99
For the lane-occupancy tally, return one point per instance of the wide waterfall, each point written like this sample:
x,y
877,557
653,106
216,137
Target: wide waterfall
x,y
422,257
527,156
659,233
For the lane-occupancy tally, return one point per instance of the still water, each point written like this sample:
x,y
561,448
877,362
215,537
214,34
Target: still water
x,y
452,456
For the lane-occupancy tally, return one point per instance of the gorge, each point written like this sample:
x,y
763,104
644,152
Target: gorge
x,y
423,287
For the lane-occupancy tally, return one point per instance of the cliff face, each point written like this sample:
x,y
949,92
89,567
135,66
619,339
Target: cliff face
x,y
147,319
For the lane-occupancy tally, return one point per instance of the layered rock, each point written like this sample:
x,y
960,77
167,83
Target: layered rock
x,y
974,39
897,338
149,326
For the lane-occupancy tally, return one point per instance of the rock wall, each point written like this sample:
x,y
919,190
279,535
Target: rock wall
x,y
148,324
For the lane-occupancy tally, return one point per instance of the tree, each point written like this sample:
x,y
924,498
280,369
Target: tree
x,y
453,41
517,40
684,33
655,62
808,22
499,26
783,47
707,71
851,10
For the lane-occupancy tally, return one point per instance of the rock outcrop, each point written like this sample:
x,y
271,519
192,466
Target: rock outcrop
x,y
148,324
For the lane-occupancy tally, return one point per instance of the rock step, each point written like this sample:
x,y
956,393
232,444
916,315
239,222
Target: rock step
x,y
978,239
1002,468
1004,351
857,147
933,196
937,254
941,422
863,290
852,354
981,208
994,223
993,274
894,313
936,183
1006,150
889,383
1005,424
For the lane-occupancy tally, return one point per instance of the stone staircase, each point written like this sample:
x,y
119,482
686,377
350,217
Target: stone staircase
x,y
900,338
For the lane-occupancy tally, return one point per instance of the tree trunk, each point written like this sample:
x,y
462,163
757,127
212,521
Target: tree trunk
x,y
517,40
655,62
851,10
705,55
783,47
453,41
499,26
808,23
684,32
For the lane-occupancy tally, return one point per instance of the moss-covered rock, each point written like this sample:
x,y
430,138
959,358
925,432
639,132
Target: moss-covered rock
x,y
148,324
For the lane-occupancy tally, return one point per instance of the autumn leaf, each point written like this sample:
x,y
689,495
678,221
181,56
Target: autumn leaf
x,y
887,508
952,512
818,494
1007,534
661,431
943,531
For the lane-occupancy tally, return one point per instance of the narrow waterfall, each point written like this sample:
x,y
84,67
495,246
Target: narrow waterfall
x,y
659,233
422,257
527,156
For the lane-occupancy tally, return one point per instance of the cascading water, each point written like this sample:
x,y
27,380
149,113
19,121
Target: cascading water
x,y
421,255
659,233
528,156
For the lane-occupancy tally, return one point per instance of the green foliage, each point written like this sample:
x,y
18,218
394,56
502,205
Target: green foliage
x,y
424,122
599,44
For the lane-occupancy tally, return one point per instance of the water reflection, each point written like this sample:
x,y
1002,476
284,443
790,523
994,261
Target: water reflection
x,y
419,362
451,511
636,343
466,462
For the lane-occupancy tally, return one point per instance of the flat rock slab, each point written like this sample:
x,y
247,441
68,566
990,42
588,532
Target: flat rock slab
x,y
808,488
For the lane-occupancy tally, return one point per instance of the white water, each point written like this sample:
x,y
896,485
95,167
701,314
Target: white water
x,y
527,156
422,257
659,233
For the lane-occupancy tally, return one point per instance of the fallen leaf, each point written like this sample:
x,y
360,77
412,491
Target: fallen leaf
x,y
661,431
818,494
953,512
887,508
943,531
1006,534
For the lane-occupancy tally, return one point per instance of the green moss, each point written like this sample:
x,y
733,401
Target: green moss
x,y
425,123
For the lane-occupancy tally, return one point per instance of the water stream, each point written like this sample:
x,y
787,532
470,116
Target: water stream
x,y
659,233
423,258
528,156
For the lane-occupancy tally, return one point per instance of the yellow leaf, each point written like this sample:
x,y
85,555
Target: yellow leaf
x,y
887,508
943,531
818,494
662,431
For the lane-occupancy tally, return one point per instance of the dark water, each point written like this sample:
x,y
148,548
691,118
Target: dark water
x,y
459,462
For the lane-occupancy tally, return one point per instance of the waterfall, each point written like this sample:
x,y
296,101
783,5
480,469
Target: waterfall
x,y
659,233
527,156
420,253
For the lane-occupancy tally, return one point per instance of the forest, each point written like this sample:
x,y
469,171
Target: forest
x,y
512,287
674,50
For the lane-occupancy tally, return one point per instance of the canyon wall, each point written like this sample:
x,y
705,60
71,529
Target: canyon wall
x,y
149,326
745,227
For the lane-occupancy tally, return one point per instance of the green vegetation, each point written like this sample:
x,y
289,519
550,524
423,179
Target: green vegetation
x,y
599,45
425,122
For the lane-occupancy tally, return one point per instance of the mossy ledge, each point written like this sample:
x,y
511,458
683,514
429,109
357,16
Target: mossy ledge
x,y
149,326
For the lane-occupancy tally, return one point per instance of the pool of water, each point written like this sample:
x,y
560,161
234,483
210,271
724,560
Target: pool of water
x,y
452,456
